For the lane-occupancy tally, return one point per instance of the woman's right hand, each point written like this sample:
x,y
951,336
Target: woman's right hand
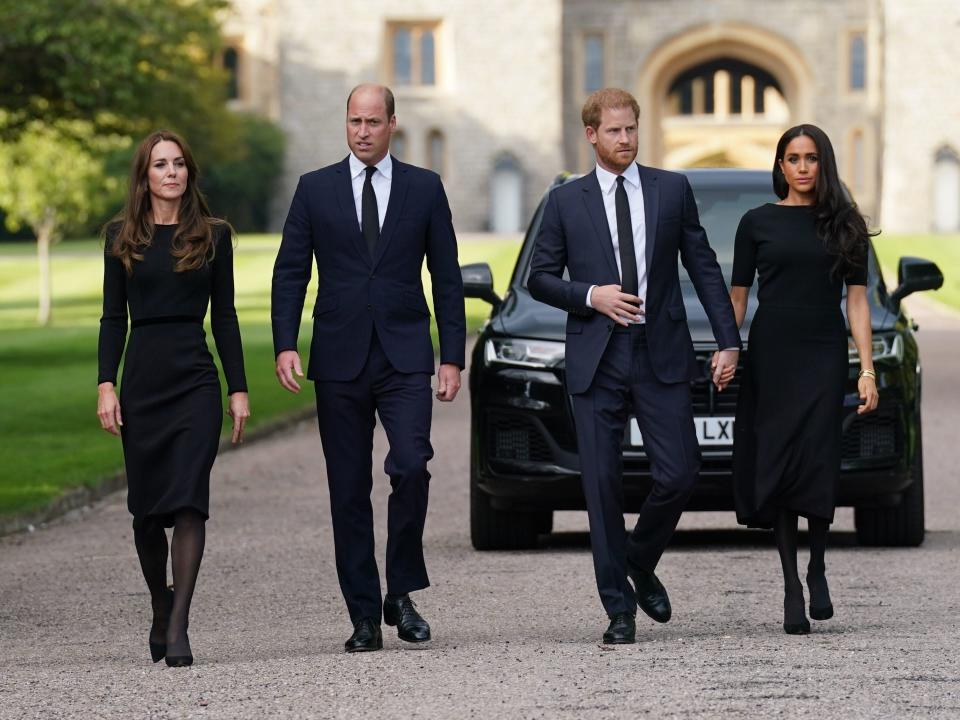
x,y
108,409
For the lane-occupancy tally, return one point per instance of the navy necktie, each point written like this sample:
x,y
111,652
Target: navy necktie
x,y
369,215
628,258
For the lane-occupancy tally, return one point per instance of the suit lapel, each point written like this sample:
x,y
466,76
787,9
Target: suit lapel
x,y
651,209
593,199
398,193
348,209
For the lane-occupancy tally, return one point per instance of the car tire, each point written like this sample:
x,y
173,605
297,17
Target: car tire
x,y
494,529
902,525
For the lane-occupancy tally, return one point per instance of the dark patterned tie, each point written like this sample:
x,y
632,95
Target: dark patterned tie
x,y
628,258
369,215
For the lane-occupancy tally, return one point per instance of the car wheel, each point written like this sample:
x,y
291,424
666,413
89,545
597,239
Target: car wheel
x,y
902,525
494,529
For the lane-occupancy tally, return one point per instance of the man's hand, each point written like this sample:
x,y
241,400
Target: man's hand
x,y
288,363
723,366
448,382
239,410
618,306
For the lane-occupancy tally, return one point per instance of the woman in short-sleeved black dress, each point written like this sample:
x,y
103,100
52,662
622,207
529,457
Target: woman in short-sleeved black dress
x,y
165,259
788,426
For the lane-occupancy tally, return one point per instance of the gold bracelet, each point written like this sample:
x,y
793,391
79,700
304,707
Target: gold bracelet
x,y
867,373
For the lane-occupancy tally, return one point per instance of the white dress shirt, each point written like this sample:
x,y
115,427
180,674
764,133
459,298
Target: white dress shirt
x,y
608,189
381,181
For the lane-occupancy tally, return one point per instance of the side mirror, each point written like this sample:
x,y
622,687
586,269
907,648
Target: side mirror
x,y
916,274
478,283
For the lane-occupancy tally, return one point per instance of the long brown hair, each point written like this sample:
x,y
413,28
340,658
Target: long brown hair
x,y
840,225
131,231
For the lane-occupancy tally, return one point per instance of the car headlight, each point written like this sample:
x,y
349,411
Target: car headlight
x,y
885,347
524,352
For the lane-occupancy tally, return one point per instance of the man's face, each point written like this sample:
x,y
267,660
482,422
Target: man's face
x,y
368,127
615,141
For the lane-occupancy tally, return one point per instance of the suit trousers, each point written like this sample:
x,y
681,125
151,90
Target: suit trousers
x,y
346,416
625,381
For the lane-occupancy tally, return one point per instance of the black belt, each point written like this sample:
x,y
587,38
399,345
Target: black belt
x,y
631,328
166,320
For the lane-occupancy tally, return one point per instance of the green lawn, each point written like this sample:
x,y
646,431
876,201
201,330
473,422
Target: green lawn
x,y
941,249
50,439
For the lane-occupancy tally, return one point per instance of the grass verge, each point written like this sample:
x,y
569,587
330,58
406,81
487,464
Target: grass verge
x,y
50,439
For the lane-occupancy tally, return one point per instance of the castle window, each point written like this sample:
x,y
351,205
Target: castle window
x,y
858,61
231,63
413,53
436,151
398,145
946,190
592,63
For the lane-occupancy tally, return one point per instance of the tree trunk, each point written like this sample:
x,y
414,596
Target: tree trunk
x,y
44,241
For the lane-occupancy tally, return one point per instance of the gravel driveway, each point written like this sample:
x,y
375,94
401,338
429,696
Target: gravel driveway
x,y
516,633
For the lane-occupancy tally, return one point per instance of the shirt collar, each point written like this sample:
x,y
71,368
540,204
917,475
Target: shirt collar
x,y
357,166
608,180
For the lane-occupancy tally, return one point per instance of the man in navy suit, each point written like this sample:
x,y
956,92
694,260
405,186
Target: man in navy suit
x,y
618,232
369,221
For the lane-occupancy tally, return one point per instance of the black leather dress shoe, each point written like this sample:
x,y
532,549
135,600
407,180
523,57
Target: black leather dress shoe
x,y
400,611
622,630
651,594
366,637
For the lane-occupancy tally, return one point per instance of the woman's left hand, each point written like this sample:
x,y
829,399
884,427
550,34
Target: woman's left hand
x,y
239,410
868,394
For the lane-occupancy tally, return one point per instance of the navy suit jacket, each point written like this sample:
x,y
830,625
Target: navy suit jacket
x,y
356,292
575,235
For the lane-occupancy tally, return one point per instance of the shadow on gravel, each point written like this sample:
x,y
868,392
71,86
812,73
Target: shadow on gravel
x,y
698,539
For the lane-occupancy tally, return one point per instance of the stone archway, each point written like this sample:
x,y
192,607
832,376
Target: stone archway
x,y
738,141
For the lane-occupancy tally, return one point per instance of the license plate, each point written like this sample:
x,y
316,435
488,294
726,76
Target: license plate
x,y
711,431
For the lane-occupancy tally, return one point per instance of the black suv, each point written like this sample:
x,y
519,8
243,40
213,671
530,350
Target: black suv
x,y
523,453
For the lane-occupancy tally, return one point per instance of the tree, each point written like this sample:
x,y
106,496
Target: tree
x,y
125,66
240,187
53,180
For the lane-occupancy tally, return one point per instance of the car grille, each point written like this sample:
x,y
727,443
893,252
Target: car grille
x,y
706,399
513,437
871,436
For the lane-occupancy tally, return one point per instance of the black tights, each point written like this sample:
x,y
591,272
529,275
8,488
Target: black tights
x,y
785,532
186,551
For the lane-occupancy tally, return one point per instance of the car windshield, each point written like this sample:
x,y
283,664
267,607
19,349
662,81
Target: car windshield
x,y
720,212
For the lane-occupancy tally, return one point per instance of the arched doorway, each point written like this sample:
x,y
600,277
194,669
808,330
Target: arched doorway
x,y
506,195
721,95
946,191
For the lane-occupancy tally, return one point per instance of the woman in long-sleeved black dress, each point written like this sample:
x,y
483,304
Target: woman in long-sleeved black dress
x,y
165,259
788,426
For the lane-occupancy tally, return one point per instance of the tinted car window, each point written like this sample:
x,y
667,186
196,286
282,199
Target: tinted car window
x,y
720,212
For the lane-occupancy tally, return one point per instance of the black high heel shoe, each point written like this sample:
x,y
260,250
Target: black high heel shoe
x,y
794,619
159,650
179,660
184,660
823,610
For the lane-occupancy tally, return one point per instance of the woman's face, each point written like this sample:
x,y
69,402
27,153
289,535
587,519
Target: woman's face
x,y
167,174
800,164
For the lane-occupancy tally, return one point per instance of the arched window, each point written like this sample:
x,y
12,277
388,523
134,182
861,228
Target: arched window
x,y
231,63
725,86
506,195
858,61
436,151
398,145
946,190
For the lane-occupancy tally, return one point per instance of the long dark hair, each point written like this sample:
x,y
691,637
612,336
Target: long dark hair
x,y
840,225
132,228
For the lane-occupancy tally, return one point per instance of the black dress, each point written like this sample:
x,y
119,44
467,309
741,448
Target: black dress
x,y
787,434
170,397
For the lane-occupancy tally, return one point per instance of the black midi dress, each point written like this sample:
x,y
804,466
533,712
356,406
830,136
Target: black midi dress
x,y
787,434
170,396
